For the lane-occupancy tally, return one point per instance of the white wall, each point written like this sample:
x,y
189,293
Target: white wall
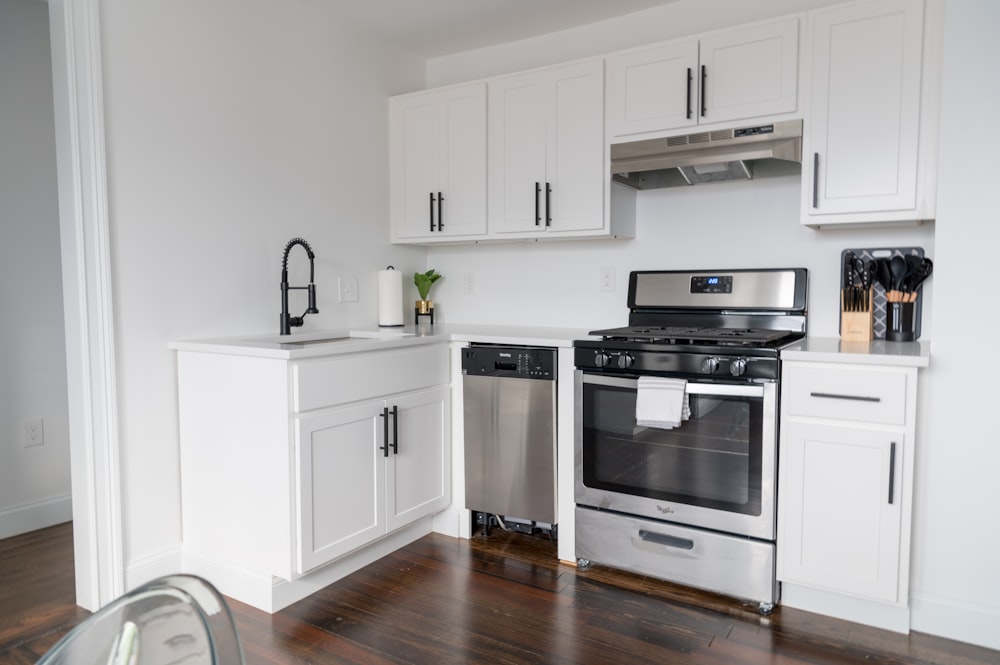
x,y
955,583
34,482
232,126
956,580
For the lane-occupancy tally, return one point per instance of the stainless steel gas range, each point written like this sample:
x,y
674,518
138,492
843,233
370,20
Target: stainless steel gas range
x,y
676,432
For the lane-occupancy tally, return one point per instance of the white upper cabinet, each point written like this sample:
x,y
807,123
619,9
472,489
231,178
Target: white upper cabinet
x,y
437,144
866,155
547,152
731,75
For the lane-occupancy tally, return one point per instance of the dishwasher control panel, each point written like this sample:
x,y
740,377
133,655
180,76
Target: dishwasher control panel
x,y
511,361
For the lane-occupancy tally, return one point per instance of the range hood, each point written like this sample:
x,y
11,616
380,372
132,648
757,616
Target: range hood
x,y
743,153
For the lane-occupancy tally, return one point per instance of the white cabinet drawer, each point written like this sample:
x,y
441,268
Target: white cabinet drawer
x,y
353,377
845,393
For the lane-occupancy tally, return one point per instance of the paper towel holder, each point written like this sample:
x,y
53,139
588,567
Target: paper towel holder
x,y
392,292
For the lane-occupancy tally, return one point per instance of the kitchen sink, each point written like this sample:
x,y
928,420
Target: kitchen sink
x,y
331,337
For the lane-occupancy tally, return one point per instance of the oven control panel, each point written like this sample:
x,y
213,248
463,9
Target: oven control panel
x,y
711,284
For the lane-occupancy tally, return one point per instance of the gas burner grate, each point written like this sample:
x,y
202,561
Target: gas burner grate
x,y
692,335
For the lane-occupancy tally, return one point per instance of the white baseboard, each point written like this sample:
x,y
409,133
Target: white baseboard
x,y
271,594
36,515
869,613
956,620
169,561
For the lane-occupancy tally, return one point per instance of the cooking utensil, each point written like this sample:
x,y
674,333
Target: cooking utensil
x,y
897,265
883,273
916,277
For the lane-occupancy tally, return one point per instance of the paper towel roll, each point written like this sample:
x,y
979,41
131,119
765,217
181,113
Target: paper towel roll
x,y
390,297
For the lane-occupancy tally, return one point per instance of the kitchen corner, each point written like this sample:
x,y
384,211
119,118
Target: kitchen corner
x,y
264,418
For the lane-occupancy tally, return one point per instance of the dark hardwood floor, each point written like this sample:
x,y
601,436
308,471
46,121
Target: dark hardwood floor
x,y
498,599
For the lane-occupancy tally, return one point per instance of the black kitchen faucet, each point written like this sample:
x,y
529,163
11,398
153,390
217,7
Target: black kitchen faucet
x,y
289,322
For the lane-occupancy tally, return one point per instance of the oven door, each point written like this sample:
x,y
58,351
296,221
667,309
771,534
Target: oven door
x,y
716,470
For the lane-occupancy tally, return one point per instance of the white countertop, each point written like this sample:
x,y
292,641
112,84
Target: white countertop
x,y
330,342
876,352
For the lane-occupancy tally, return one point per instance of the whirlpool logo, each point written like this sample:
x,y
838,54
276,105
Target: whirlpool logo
x,y
665,510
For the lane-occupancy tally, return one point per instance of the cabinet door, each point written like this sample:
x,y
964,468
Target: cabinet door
x,y
749,72
341,482
418,471
839,518
861,141
653,89
517,152
438,149
575,150
547,151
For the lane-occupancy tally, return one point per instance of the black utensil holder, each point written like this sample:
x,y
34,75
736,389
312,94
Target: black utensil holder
x,y
899,322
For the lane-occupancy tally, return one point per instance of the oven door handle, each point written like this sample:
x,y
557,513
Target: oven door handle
x,y
722,389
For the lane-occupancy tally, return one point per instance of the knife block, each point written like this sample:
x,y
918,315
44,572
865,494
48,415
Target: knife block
x,y
856,326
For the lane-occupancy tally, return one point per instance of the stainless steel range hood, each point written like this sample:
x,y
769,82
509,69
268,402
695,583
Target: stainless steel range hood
x,y
743,153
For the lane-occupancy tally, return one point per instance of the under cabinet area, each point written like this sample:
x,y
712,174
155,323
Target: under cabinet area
x,y
735,74
845,488
868,145
295,472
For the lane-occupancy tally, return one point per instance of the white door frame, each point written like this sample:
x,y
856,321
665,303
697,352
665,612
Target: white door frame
x,y
74,28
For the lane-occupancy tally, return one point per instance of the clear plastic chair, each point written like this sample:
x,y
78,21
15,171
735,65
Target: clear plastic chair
x,y
174,619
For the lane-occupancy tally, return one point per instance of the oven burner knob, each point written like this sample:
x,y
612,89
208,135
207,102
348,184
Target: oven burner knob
x,y
738,367
601,359
709,365
625,361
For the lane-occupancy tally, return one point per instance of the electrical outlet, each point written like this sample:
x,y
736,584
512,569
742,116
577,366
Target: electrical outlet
x,y
469,284
34,432
348,289
607,278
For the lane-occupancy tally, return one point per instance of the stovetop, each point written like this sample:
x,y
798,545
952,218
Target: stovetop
x,y
694,335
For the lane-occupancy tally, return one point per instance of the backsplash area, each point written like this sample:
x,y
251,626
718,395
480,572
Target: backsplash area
x,y
733,225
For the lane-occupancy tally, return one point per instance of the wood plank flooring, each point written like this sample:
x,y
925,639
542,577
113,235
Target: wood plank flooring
x,y
501,599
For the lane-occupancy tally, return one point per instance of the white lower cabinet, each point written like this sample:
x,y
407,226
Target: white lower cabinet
x,y
845,481
369,469
287,483
842,509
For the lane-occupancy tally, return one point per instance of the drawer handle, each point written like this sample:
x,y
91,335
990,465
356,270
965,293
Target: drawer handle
x,y
856,398
892,470
664,539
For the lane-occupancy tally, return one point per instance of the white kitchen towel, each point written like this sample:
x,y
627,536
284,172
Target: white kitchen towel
x,y
661,402
390,297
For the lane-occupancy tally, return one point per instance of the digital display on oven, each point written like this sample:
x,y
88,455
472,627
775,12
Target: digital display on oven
x,y
711,284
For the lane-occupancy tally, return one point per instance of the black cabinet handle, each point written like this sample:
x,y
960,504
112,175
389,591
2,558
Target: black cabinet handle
x,y
385,431
892,470
395,431
704,105
664,539
538,214
815,180
689,80
430,213
856,398
548,204
440,212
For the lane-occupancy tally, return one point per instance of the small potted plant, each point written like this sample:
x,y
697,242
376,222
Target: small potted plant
x,y
424,281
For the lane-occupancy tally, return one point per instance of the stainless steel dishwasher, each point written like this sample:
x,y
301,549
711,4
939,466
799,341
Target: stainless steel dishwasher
x,y
510,434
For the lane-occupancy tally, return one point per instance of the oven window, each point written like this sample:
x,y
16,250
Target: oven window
x,y
711,460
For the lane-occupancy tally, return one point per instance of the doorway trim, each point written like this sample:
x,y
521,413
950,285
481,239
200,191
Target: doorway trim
x,y
84,230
